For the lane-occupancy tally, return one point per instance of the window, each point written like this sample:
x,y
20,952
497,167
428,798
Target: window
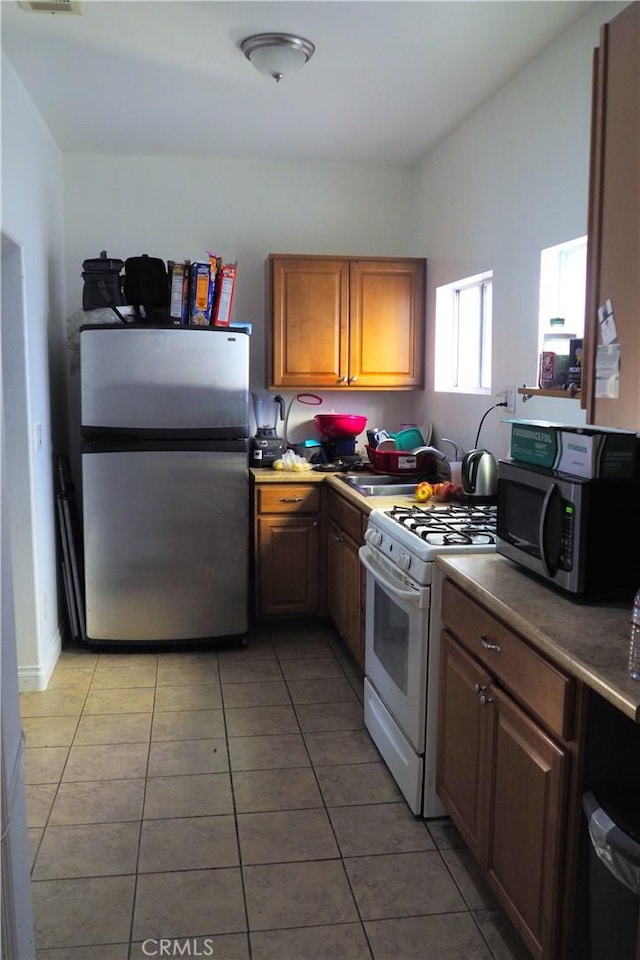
x,y
463,335
563,274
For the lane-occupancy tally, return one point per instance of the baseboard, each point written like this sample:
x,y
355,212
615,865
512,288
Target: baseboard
x,y
36,677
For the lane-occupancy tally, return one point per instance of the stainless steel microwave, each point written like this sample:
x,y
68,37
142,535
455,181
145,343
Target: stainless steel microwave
x,y
579,535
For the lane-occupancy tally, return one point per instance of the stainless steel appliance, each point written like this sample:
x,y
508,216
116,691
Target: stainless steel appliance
x,y
267,446
165,499
564,529
479,476
402,633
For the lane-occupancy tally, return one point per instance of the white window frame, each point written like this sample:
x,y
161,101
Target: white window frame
x,y
563,276
462,356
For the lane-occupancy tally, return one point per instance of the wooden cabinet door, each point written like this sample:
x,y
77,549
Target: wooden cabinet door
x,y
527,773
334,574
310,306
287,565
352,631
614,217
463,737
345,574
340,323
503,781
345,590
386,324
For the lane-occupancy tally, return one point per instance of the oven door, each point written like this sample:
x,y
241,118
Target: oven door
x,y
396,642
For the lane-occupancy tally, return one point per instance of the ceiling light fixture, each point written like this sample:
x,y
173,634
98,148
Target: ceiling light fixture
x,y
277,54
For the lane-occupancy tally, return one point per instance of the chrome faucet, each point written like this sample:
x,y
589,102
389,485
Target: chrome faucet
x,y
458,451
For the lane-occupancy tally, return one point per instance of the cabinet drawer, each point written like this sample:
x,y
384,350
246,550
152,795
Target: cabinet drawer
x,y
288,498
534,681
347,517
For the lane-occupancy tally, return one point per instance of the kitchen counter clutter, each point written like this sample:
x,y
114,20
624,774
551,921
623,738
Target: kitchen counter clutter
x,y
588,640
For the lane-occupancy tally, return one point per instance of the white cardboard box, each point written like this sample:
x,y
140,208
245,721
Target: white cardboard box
x,y
607,455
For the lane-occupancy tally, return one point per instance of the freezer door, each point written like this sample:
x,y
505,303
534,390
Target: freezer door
x,y
164,381
165,544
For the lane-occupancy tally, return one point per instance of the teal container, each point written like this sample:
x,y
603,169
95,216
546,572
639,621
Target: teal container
x,y
409,439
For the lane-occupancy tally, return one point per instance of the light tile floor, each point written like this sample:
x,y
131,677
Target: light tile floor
x,y
229,803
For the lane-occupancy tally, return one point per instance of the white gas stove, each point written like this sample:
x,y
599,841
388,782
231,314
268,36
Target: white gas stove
x,y
412,537
402,634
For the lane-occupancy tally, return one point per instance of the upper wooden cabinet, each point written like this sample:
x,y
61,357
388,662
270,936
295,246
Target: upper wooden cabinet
x,y
340,323
613,265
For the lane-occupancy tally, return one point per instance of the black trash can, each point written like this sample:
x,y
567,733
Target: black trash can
x,y
613,818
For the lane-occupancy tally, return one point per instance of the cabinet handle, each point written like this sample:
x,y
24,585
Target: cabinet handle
x,y
291,499
342,380
479,687
488,645
337,539
484,699
352,379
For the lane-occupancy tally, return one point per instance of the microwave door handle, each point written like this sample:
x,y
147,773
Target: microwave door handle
x,y
549,567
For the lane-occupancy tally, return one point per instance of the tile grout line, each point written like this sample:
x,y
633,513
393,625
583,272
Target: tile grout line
x,y
235,818
134,898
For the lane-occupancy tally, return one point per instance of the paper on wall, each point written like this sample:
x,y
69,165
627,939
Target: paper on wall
x,y
608,332
608,371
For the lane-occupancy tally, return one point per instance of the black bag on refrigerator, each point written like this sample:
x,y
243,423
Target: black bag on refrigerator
x,y
146,288
102,283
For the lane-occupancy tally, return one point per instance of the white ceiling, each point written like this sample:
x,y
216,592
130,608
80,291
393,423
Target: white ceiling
x,y
389,79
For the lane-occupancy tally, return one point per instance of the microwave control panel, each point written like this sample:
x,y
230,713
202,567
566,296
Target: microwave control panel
x,y
565,558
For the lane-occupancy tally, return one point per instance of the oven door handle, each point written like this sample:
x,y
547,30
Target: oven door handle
x,y
368,560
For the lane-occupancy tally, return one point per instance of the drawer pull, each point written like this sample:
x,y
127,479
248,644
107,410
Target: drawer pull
x,y
291,499
479,687
484,699
488,645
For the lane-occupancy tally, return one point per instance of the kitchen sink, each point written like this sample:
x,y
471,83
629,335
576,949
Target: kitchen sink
x,y
379,485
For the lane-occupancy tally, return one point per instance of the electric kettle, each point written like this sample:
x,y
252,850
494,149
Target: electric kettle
x,y
480,475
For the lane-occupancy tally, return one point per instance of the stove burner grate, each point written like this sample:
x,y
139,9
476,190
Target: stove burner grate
x,y
449,524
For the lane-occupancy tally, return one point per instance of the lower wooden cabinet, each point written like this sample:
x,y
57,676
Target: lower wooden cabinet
x,y
288,572
345,579
305,557
527,805
462,743
504,768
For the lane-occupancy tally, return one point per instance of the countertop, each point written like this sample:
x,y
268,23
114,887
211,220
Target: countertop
x,y
588,639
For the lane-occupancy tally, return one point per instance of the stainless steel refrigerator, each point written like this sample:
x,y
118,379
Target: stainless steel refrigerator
x,y
165,498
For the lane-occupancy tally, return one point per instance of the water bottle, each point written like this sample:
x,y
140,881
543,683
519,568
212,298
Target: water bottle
x,y
634,642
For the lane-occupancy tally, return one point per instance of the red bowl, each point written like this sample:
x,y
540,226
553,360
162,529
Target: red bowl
x,y
337,426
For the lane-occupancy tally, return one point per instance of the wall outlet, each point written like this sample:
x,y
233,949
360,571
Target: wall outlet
x,y
510,397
